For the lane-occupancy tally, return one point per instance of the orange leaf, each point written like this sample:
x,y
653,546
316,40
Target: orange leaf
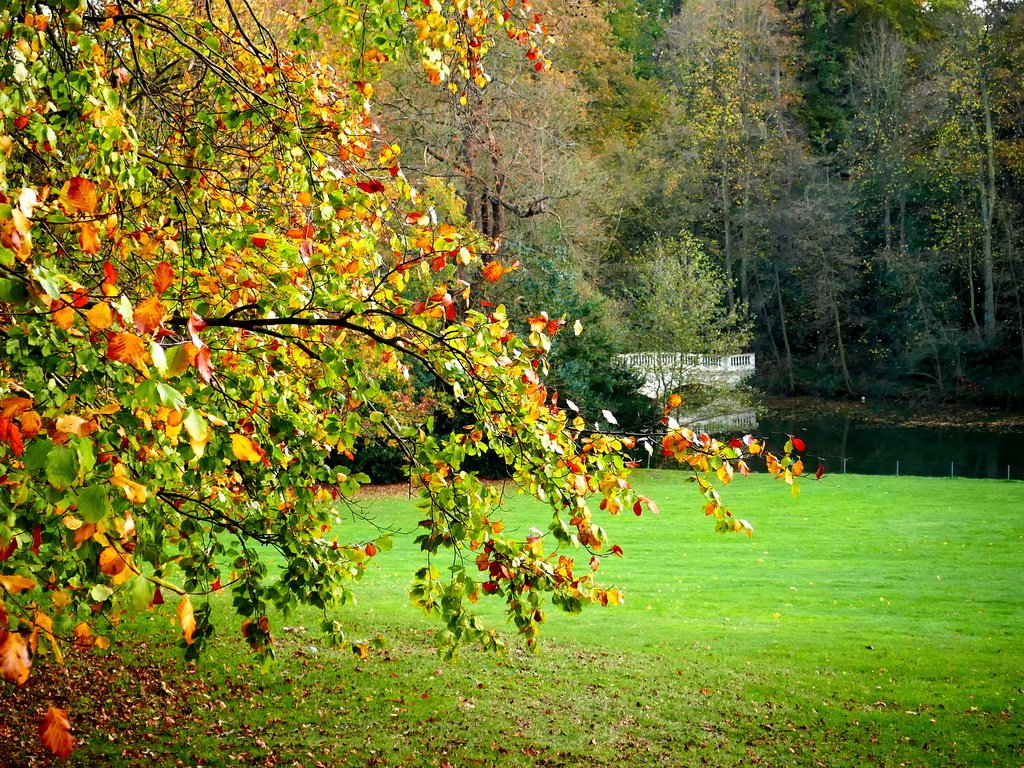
x,y
55,732
148,315
99,317
63,314
30,424
79,194
14,583
89,237
493,272
112,562
163,277
12,406
245,449
84,638
187,618
14,659
126,347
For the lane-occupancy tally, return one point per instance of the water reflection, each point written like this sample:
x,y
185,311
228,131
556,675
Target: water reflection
x,y
846,443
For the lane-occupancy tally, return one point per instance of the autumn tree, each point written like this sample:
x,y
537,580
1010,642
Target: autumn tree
x,y
211,261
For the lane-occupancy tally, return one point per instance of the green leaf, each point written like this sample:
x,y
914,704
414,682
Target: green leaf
x,y
100,593
35,455
93,504
140,592
169,396
62,467
12,291
86,456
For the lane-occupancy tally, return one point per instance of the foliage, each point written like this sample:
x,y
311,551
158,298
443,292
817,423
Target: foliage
x,y
213,270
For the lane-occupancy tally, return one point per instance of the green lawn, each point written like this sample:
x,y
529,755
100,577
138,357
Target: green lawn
x,y
871,621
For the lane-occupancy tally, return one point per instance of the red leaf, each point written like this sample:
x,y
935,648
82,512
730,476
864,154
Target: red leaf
x,y
820,472
260,241
215,586
109,275
11,434
195,325
6,552
449,312
158,597
163,277
617,550
37,539
490,587
55,732
204,364
637,509
370,187
735,443
798,444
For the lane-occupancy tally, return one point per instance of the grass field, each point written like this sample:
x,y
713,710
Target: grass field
x,y
872,621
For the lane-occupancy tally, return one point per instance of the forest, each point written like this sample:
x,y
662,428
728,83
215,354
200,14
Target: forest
x,y
833,184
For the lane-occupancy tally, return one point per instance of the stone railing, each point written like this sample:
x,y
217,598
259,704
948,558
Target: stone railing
x,y
665,371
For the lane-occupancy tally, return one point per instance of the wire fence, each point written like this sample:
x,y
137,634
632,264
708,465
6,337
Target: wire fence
x,y
901,467
896,467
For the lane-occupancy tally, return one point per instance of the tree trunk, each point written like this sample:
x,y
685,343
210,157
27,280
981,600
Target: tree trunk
x,y
785,332
988,204
839,343
727,237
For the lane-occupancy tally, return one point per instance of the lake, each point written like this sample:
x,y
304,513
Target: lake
x,y
847,443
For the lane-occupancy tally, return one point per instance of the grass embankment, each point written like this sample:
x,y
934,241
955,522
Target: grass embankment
x,y
871,621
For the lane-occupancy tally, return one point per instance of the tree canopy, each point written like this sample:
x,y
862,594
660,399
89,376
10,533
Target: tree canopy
x,y
215,275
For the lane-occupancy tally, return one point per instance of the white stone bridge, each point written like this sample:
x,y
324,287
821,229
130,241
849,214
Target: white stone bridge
x,y
664,372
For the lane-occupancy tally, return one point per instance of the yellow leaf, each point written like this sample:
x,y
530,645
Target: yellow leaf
x,y
245,449
135,492
99,317
45,624
75,425
187,618
55,733
15,584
